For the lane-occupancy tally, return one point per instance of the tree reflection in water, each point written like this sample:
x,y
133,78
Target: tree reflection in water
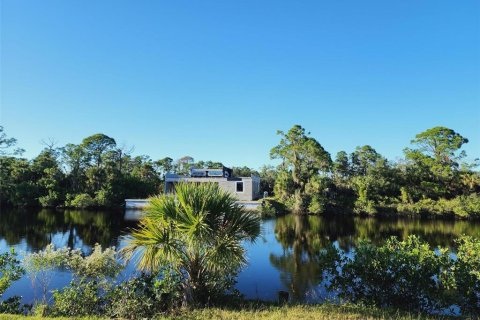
x,y
303,238
72,228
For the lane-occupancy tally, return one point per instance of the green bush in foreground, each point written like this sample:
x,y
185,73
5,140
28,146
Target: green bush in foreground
x,y
408,275
10,271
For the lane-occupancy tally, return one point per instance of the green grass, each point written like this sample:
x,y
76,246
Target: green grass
x,y
300,312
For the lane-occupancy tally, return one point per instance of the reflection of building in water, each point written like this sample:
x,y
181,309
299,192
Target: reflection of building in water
x,y
243,188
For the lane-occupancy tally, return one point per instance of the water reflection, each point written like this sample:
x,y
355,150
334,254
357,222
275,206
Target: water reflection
x,y
73,228
285,259
303,237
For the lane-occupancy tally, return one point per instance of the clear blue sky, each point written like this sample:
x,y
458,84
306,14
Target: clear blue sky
x,y
216,79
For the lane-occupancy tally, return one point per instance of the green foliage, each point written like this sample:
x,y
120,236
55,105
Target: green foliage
x,y
96,266
432,179
399,273
39,266
267,210
144,296
78,299
199,234
83,200
49,200
302,160
435,161
364,203
461,206
408,275
7,143
244,172
10,271
13,305
467,275
96,167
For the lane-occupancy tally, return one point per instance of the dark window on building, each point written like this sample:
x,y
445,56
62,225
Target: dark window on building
x,y
240,186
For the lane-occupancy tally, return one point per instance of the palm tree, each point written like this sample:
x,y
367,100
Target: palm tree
x,y
198,232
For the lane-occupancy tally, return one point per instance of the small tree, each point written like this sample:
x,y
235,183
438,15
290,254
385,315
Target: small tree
x,y
199,234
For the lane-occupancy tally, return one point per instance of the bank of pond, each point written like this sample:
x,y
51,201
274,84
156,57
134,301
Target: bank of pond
x,y
431,266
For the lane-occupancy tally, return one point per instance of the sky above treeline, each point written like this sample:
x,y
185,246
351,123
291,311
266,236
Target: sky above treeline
x,y
216,79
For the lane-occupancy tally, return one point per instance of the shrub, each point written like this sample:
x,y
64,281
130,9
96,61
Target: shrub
x,y
49,200
266,209
461,206
144,296
100,264
317,204
403,274
10,271
103,197
82,200
40,264
408,275
78,299
11,305
467,274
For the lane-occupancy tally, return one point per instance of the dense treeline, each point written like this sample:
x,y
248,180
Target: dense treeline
x,y
432,178
95,173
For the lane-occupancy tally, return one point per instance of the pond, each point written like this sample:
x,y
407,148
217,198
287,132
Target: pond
x,y
282,259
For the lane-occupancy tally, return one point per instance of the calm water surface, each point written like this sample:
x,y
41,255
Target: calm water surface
x,y
282,259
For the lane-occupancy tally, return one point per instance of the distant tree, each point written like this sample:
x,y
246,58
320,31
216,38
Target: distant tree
x,y
244,172
49,178
207,164
184,164
97,145
7,143
341,166
268,175
164,166
436,160
364,158
303,157
75,160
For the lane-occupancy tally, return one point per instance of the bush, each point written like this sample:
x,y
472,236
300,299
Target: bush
x,y
467,274
317,204
103,197
408,275
461,206
266,209
82,200
100,264
40,264
10,271
399,274
144,297
49,200
78,299
11,305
